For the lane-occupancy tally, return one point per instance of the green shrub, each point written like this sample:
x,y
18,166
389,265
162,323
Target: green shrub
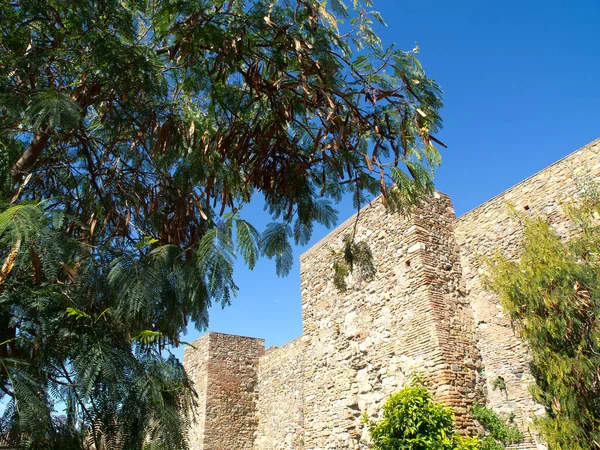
x,y
412,420
467,443
499,432
499,383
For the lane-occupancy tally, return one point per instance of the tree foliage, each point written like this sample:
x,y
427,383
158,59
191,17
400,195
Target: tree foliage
x,y
132,132
65,346
354,256
551,295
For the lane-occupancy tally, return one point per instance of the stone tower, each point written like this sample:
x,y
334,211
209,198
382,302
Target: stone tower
x,y
412,316
224,370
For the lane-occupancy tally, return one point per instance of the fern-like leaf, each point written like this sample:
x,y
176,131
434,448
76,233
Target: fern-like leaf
x,y
54,109
275,244
248,240
216,256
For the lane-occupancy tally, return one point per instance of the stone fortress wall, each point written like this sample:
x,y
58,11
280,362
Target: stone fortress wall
x,y
425,310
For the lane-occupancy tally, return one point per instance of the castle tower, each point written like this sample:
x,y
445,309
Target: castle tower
x,y
224,371
413,316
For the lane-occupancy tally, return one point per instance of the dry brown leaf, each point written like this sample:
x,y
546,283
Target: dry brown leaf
x,y
92,225
9,262
35,263
368,160
69,271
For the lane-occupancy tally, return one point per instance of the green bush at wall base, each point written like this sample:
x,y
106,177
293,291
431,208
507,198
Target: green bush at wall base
x,y
499,433
412,420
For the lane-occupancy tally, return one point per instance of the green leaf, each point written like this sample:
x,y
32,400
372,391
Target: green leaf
x,y
147,336
340,8
54,109
302,232
377,15
215,259
248,241
22,220
275,244
146,241
324,213
77,313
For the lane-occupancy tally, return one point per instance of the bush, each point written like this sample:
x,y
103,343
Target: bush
x,y
412,420
499,432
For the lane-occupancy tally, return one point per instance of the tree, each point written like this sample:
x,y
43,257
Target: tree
x,y
551,295
132,134
66,346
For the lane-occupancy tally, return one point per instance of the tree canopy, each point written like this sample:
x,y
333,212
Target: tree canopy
x,y
132,132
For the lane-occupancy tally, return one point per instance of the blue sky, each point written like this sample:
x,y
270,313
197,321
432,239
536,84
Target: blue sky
x,y
521,82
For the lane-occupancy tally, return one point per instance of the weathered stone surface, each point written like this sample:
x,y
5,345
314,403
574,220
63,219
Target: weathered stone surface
x,y
224,370
281,398
196,365
425,310
412,316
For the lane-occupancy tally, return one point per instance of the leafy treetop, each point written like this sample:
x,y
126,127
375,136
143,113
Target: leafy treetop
x,y
151,123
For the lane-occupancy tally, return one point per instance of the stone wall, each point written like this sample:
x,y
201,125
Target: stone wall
x,y
281,398
224,369
425,310
412,316
489,228
196,365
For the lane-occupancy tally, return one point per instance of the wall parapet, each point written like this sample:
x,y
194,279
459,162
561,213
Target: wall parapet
x,y
564,161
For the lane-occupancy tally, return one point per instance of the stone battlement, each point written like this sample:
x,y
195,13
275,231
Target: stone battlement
x,y
425,310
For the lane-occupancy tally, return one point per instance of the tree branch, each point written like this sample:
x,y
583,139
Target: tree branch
x,y
30,156
42,136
